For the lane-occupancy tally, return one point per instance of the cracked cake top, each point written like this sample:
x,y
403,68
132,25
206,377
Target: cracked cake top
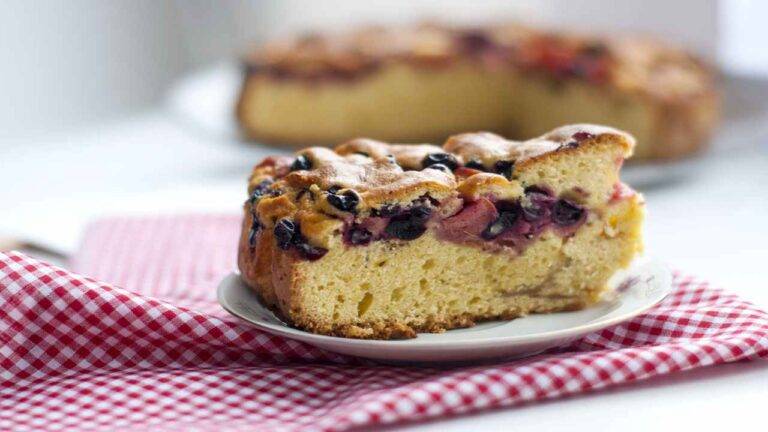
x,y
363,177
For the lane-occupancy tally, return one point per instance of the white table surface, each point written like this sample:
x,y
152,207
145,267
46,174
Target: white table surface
x,y
713,224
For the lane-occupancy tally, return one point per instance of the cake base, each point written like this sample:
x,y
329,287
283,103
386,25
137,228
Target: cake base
x,y
394,289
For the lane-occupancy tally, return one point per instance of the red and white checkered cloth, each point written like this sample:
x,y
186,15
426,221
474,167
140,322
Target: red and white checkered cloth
x,y
142,344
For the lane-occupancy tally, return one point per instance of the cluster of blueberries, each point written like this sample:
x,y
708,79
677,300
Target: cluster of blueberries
x,y
410,223
288,236
447,162
403,223
287,232
541,209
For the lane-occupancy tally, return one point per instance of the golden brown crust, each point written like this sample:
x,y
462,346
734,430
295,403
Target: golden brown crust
x,y
379,173
375,180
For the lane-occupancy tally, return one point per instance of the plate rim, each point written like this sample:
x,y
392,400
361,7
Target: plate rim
x,y
416,344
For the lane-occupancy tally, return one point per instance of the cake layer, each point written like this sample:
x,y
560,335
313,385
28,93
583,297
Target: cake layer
x,y
396,288
382,240
424,84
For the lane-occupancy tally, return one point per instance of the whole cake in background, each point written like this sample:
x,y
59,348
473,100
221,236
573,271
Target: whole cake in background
x,y
377,240
424,83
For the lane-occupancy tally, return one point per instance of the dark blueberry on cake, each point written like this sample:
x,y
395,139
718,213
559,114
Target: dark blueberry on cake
x,y
508,215
446,159
505,168
301,163
288,236
308,251
475,164
565,213
387,210
440,167
409,225
537,190
539,204
535,211
260,190
255,227
284,231
345,201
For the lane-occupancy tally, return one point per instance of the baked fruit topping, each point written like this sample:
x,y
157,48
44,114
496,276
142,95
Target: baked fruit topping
x,y
378,240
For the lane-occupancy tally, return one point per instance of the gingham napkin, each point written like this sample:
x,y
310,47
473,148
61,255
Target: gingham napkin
x,y
142,345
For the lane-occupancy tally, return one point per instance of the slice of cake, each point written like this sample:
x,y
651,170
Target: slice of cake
x,y
377,240
424,83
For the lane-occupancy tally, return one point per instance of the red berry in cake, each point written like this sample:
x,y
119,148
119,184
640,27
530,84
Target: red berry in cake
x,y
581,136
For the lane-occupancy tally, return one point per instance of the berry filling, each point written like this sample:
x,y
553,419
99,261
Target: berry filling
x,y
288,237
512,223
475,165
301,162
345,201
446,159
504,168
410,224
258,192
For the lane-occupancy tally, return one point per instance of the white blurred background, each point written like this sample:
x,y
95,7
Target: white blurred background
x,y
77,62
124,106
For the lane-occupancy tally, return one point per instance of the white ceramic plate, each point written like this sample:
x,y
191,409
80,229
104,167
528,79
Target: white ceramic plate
x,y
633,291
